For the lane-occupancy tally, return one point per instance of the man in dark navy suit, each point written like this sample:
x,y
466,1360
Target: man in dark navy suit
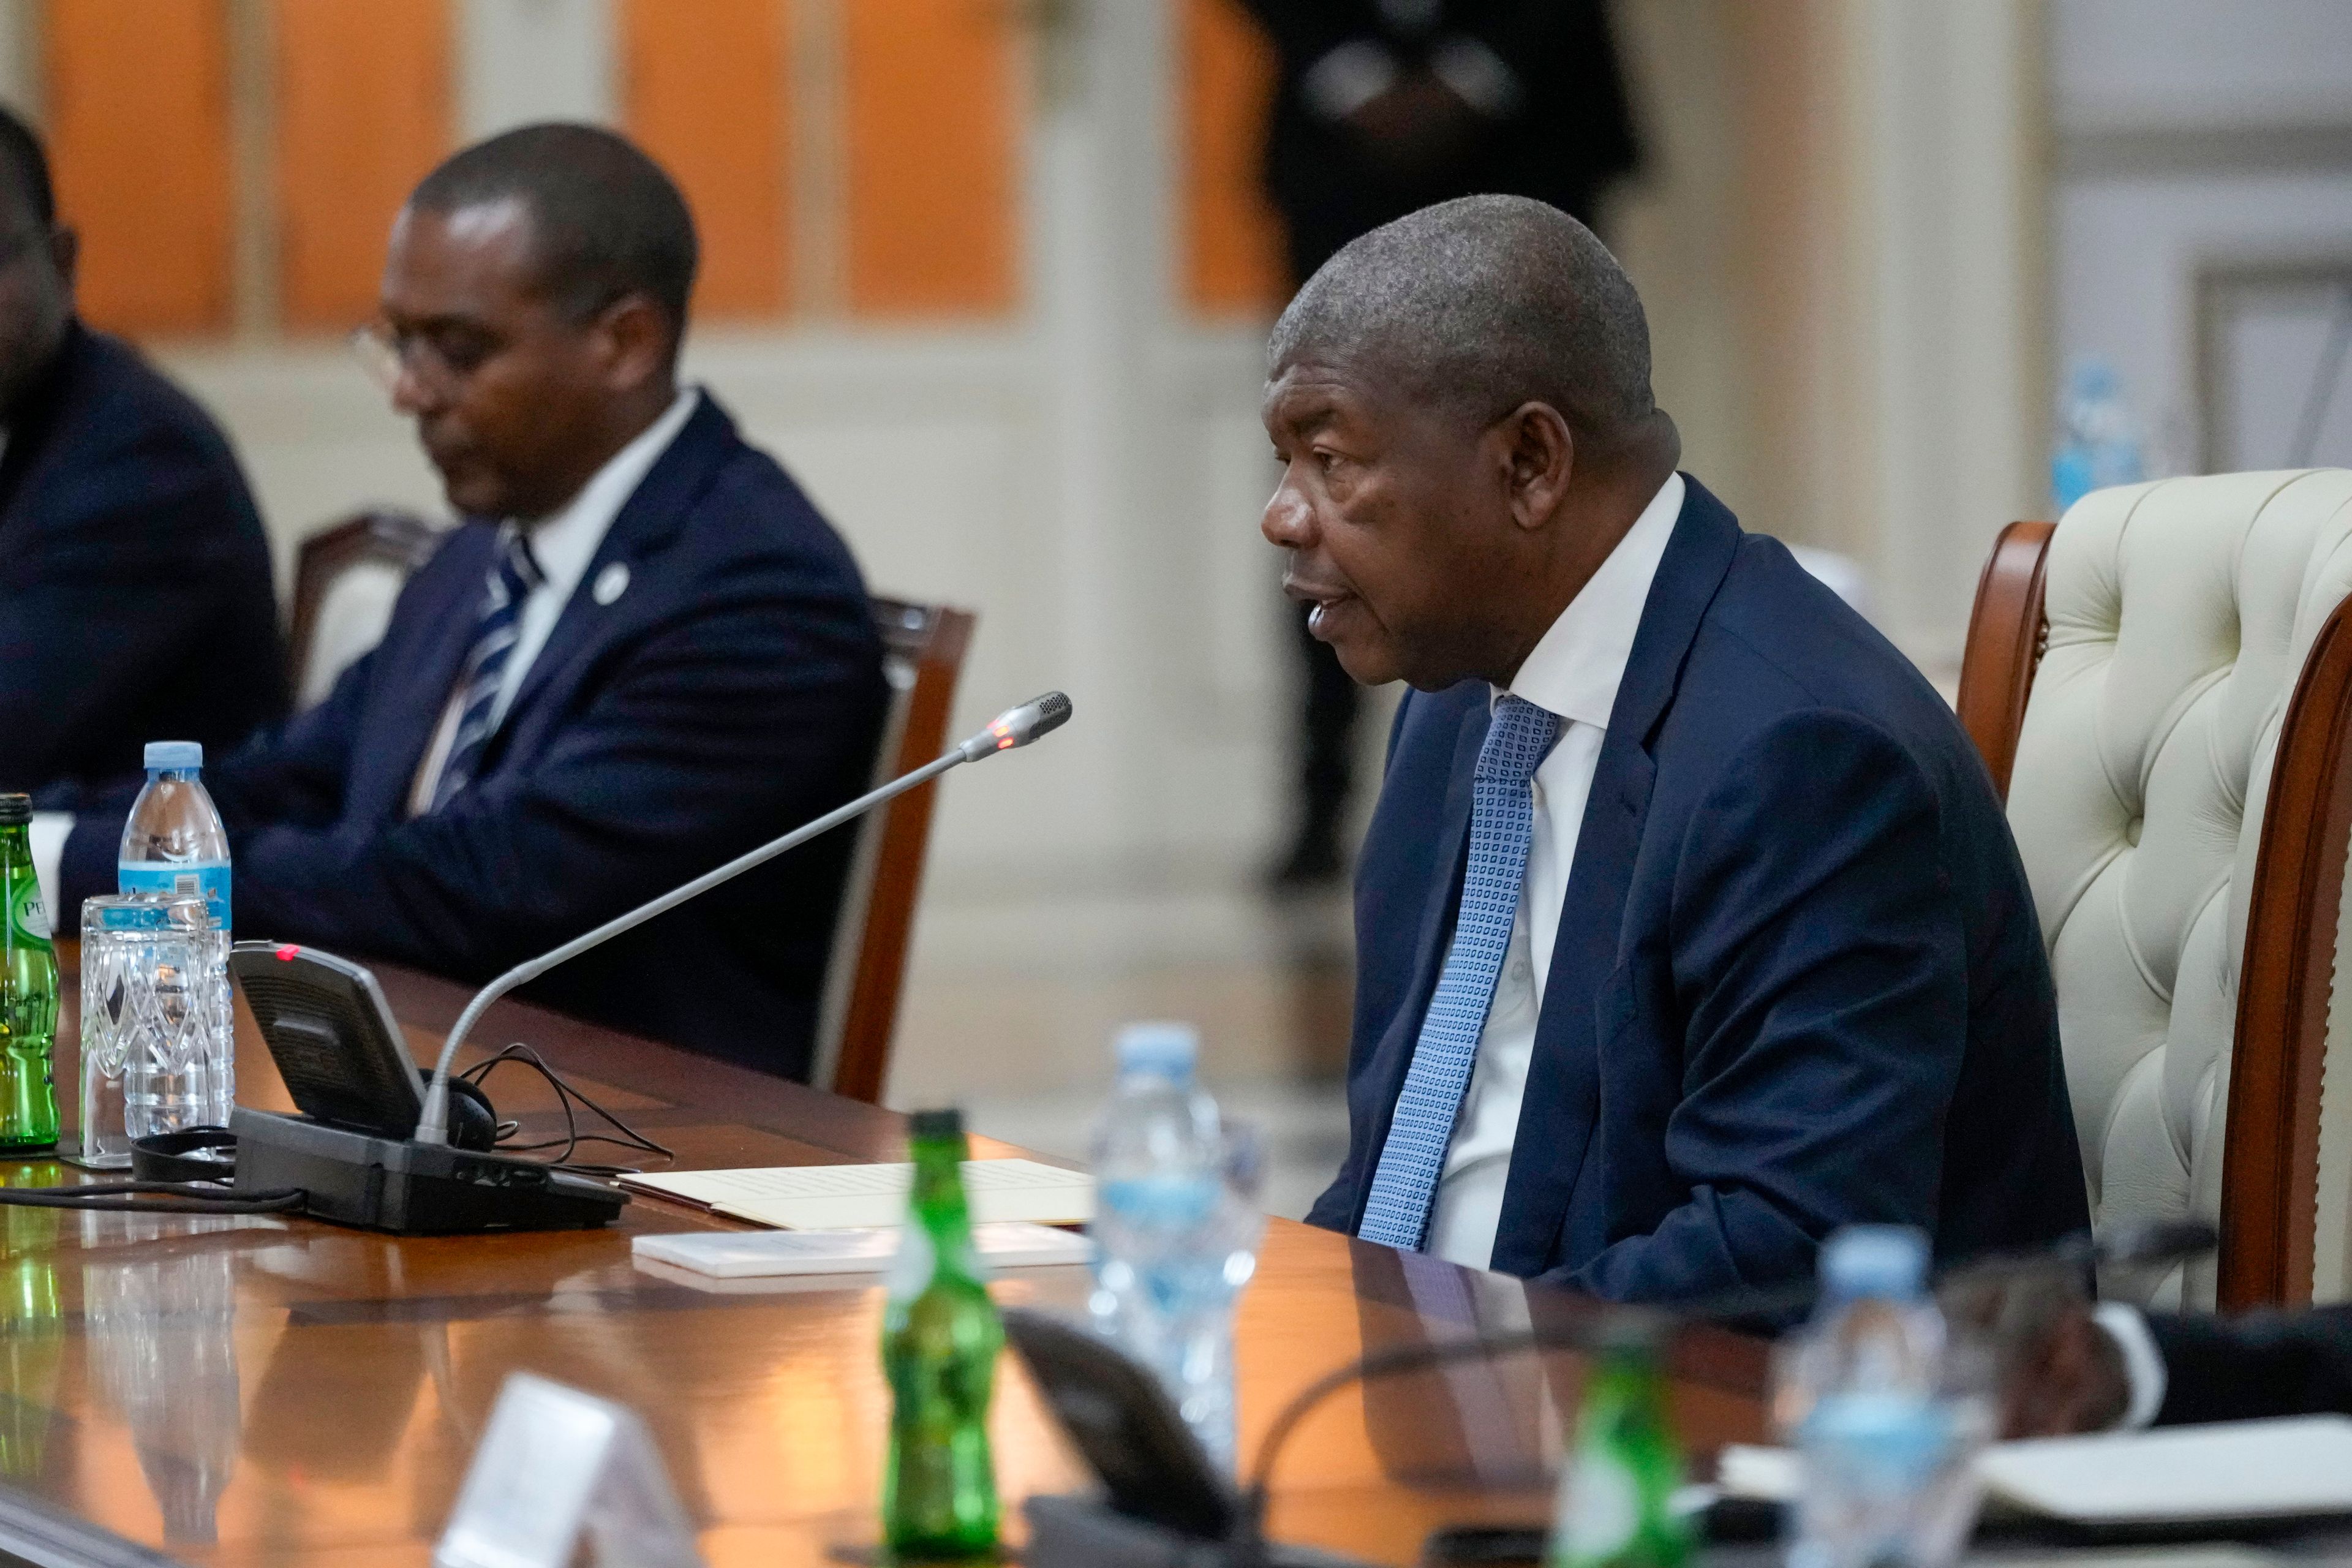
x,y
135,577
1688,927
646,654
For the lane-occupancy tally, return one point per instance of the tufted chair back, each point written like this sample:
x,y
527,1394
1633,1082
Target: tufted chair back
x,y
2180,615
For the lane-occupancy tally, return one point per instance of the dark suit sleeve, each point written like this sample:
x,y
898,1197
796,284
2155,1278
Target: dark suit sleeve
x,y
135,578
1821,970
2264,1364
724,726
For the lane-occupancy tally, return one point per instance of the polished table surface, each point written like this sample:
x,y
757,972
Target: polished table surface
x,y
260,1389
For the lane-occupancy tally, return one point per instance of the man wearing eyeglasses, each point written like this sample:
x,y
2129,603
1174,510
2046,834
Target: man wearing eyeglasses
x,y
134,576
642,654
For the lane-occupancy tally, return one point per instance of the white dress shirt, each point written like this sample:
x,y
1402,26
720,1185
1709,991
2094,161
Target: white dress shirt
x,y
2145,1373
1573,672
562,542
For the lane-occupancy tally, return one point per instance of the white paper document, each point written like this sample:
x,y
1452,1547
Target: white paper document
x,y
851,1197
736,1253
2230,1471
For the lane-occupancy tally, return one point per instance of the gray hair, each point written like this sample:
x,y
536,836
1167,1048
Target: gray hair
x,y
1483,304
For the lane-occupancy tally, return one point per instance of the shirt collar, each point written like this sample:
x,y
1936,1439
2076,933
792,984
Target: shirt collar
x,y
568,539
1575,669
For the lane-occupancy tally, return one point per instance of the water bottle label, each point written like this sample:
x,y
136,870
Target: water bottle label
x,y
28,914
210,882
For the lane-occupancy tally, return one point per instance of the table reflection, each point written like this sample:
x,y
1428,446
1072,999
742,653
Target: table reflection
x,y
32,1328
159,1309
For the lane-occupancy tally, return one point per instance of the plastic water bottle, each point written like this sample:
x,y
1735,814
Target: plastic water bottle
x,y
1174,1242
1867,1395
185,1076
2098,444
174,842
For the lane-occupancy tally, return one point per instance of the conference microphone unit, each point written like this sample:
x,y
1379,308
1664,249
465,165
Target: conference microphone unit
x,y
373,1147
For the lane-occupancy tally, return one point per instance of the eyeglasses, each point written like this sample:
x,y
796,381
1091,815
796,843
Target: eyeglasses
x,y
441,360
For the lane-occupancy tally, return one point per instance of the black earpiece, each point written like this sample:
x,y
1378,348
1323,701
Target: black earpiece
x,y
473,1123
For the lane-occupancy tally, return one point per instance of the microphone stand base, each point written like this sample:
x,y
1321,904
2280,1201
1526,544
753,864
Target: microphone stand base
x,y
410,1188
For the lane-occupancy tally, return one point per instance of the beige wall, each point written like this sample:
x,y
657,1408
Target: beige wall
x,y
1841,242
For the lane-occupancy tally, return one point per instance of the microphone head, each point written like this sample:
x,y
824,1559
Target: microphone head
x,y
1019,726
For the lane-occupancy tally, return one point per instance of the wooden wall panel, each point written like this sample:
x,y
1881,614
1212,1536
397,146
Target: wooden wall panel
x,y
138,110
1233,260
933,123
363,113
703,91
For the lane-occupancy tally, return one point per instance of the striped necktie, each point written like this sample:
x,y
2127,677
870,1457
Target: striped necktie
x,y
1502,818
511,581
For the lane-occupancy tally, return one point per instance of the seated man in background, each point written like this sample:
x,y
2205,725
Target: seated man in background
x,y
134,576
1688,927
644,655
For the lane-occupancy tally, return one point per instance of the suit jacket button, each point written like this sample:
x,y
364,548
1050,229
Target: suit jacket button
x,y
611,582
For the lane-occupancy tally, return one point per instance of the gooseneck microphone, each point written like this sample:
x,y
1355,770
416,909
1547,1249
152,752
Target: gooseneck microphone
x,y
1014,727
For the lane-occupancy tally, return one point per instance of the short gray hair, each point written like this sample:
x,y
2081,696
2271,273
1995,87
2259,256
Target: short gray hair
x,y
1483,304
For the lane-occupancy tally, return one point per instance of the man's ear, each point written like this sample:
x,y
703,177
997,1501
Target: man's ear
x,y
1539,453
639,341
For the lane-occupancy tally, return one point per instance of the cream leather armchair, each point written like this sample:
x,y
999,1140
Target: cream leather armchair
x,y
2180,616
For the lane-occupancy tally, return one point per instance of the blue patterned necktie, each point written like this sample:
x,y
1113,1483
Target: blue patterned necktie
x,y
511,581
1502,817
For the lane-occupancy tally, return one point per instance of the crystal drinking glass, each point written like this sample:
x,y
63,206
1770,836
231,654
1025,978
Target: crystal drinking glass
x,y
158,1046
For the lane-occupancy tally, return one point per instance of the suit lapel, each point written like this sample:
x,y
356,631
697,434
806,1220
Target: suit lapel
x,y
1562,1107
1394,1057
647,521
412,708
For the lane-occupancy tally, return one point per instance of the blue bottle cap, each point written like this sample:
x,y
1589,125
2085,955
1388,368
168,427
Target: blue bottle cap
x,y
1888,1260
1168,1049
175,754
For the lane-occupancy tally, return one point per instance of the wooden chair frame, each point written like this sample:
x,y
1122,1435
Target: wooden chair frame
x,y
400,539
2270,1152
859,1016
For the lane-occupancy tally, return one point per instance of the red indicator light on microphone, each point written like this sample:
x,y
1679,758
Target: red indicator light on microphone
x,y
288,954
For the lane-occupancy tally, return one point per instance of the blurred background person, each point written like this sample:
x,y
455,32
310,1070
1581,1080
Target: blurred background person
x,y
644,654
1383,106
135,598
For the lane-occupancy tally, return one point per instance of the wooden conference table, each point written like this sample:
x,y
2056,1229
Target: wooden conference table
x,y
222,1390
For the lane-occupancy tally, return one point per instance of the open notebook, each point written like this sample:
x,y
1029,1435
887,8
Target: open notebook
x,y
847,1198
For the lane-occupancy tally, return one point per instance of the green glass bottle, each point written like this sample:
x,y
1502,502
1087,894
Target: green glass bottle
x,y
1616,1494
28,993
940,1335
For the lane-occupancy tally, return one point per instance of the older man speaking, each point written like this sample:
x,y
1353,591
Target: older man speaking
x,y
1688,928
